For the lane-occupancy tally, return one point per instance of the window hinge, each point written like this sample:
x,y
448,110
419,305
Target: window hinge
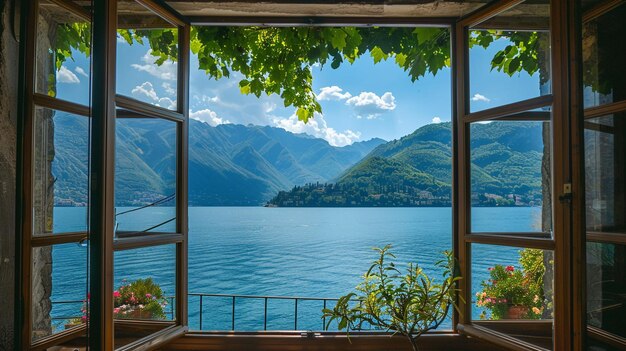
x,y
309,334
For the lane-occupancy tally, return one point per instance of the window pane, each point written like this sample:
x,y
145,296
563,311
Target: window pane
x,y
509,57
606,287
62,56
605,147
60,171
145,175
604,76
510,178
512,284
145,290
59,288
147,55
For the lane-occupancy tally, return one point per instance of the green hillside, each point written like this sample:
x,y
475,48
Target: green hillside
x,y
416,170
228,164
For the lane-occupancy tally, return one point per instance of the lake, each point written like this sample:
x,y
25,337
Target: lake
x,y
305,252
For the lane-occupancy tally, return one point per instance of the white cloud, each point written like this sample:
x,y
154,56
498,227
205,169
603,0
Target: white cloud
x,y
370,105
436,119
318,127
207,99
333,93
146,89
208,116
268,106
81,71
168,88
166,71
64,75
480,97
167,103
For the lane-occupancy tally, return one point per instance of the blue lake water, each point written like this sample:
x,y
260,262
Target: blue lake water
x,y
310,252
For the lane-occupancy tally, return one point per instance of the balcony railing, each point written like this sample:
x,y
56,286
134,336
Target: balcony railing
x,y
234,298
203,297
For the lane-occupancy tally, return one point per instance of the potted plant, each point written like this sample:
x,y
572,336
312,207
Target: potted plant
x,y
408,304
512,293
139,299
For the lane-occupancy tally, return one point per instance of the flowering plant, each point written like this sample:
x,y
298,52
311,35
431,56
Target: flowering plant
x,y
141,298
509,288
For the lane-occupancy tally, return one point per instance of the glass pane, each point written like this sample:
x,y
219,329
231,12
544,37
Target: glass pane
x,y
605,147
604,76
147,56
145,290
512,284
145,175
509,57
606,287
62,55
510,177
60,172
58,292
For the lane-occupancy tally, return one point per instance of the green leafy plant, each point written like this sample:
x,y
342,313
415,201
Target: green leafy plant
x,y
408,304
279,60
139,299
509,288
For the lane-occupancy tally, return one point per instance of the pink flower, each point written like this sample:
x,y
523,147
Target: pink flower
x,y
490,269
149,296
116,310
116,294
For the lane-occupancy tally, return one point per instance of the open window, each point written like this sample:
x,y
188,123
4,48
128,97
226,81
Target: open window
x,y
56,175
90,206
604,149
508,264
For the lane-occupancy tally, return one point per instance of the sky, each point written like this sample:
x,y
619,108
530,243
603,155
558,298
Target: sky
x,y
359,101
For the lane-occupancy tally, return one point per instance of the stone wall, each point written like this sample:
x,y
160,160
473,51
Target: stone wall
x,y
9,53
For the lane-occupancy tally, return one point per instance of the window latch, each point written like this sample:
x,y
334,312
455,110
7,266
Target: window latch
x,y
567,193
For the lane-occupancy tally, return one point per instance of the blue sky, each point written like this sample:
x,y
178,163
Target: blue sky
x,y
359,101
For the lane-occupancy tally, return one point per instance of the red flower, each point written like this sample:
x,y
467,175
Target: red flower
x,y
510,268
116,294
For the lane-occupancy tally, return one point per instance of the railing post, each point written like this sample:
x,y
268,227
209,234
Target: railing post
x,y
265,315
233,321
324,317
295,321
201,296
172,307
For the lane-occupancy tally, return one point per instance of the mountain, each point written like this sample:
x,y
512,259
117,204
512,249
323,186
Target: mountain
x,y
228,164
416,170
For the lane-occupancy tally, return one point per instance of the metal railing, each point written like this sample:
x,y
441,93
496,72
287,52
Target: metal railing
x,y
233,299
265,299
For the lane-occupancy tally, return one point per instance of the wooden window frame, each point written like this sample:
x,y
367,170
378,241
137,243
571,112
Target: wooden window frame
x,y
26,239
121,106
591,113
567,242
